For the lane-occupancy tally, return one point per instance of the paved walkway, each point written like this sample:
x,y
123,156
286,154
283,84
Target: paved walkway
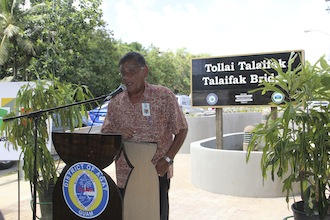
x,y
186,201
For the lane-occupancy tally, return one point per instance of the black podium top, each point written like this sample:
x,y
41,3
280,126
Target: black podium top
x,y
98,149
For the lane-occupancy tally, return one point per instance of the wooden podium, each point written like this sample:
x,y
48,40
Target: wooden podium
x,y
141,201
84,190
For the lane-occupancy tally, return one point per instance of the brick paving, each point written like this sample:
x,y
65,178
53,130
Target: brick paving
x,y
186,201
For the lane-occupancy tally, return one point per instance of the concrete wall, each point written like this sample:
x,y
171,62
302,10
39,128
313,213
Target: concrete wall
x,y
202,127
231,141
227,172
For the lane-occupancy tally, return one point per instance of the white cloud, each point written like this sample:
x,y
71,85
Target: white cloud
x,y
222,27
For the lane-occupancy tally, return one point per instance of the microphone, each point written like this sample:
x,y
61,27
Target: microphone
x,y
120,88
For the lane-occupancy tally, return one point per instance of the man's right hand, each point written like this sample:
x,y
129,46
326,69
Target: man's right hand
x,y
127,133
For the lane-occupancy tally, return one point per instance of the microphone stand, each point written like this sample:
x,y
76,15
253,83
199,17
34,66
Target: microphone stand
x,y
35,115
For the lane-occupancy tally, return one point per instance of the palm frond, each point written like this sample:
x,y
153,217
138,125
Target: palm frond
x,y
11,30
34,9
27,46
3,53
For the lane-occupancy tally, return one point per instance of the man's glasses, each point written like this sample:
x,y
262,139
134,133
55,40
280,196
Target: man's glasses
x,y
129,71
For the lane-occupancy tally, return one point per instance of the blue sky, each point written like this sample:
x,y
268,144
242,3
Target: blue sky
x,y
223,27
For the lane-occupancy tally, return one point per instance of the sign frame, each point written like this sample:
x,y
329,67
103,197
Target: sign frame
x,y
225,81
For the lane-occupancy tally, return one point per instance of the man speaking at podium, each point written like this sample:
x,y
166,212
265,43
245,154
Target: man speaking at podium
x,y
146,113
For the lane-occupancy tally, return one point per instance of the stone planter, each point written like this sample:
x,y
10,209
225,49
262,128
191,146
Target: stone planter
x,y
227,172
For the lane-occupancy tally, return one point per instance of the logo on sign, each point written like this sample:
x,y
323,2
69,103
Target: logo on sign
x,y
244,98
212,99
277,97
85,190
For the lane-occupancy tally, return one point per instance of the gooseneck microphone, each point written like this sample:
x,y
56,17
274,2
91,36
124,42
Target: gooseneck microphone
x,y
120,88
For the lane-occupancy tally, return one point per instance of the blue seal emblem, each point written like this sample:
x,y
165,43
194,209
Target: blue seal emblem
x,y
85,190
212,99
278,97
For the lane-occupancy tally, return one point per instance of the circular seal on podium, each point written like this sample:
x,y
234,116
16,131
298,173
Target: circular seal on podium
x,y
85,190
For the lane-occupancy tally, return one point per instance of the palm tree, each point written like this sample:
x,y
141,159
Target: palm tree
x,y
15,37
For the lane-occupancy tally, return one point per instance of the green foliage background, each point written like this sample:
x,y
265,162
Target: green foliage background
x,y
69,39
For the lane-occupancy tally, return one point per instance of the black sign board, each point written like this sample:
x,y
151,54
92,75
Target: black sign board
x,y
226,81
